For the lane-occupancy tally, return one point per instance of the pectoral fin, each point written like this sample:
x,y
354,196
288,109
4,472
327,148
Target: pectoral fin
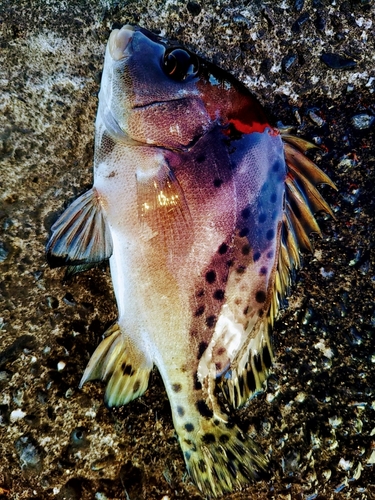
x,y
123,364
80,237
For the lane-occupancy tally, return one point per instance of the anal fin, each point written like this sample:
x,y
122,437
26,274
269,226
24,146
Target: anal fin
x,y
80,237
126,368
250,368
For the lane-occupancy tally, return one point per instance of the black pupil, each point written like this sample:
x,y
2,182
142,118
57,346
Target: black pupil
x,y
179,64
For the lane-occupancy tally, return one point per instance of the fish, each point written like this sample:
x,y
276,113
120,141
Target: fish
x,y
202,208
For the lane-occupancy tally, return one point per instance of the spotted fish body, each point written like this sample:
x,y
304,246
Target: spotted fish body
x,y
201,206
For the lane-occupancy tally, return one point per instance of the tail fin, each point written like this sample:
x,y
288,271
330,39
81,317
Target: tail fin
x,y
126,367
220,458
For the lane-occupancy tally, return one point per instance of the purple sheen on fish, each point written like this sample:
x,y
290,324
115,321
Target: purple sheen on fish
x,y
201,207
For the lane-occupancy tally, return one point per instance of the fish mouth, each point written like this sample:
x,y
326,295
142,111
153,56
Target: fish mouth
x,y
119,41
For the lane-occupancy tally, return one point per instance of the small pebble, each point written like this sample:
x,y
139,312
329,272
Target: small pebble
x,y
288,62
28,453
4,252
362,121
61,365
298,5
17,415
335,61
297,25
316,119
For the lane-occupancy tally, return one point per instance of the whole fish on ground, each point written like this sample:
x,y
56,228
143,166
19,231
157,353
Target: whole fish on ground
x,y
201,207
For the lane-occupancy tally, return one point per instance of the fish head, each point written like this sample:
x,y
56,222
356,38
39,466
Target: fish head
x,y
149,90
157,92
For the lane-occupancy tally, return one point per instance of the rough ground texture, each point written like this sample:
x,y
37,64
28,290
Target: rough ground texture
x,y
316,419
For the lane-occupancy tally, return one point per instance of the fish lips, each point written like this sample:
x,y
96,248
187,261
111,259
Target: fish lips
x,y
119,43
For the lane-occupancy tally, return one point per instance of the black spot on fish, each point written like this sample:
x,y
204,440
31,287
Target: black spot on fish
x,y
245,250
231,457
246,212
241,385
201,158
180,411
202,466
258,362
273,198
199,311
256,256
241,269
210,321
235,390
263,271
189,427
218,367
218,182
219,294
241,450
270,234
250,380
136,386
267,357
262,218
187,455
223,248
246,310
197,384
270,255
202,347
221,351
200,293
210,276
208,438
176,387
112,174
203,408
230,263
127,370
260,296
224,438
244,232
276,166
245,471
232,468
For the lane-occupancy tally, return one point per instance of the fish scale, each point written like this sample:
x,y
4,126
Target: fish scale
x,y
201,208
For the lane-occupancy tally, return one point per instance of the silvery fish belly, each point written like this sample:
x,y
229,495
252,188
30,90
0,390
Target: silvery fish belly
x,y
201,207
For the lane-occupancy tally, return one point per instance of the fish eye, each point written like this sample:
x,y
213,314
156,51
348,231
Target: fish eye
x,y
179,64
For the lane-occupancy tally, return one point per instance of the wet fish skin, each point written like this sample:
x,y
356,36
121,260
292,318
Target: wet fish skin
x,y
201,211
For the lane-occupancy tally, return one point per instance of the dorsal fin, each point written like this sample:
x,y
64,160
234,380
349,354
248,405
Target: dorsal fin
x,y
302,200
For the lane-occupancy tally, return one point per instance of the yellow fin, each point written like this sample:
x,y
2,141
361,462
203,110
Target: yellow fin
x,y
302,201
220,457
251,366
123,364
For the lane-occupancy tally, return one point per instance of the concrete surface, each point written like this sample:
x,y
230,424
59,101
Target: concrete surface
x,y
316,420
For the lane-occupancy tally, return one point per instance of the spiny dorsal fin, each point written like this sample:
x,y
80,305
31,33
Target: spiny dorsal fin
x,y
302,201
124,365
80,236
